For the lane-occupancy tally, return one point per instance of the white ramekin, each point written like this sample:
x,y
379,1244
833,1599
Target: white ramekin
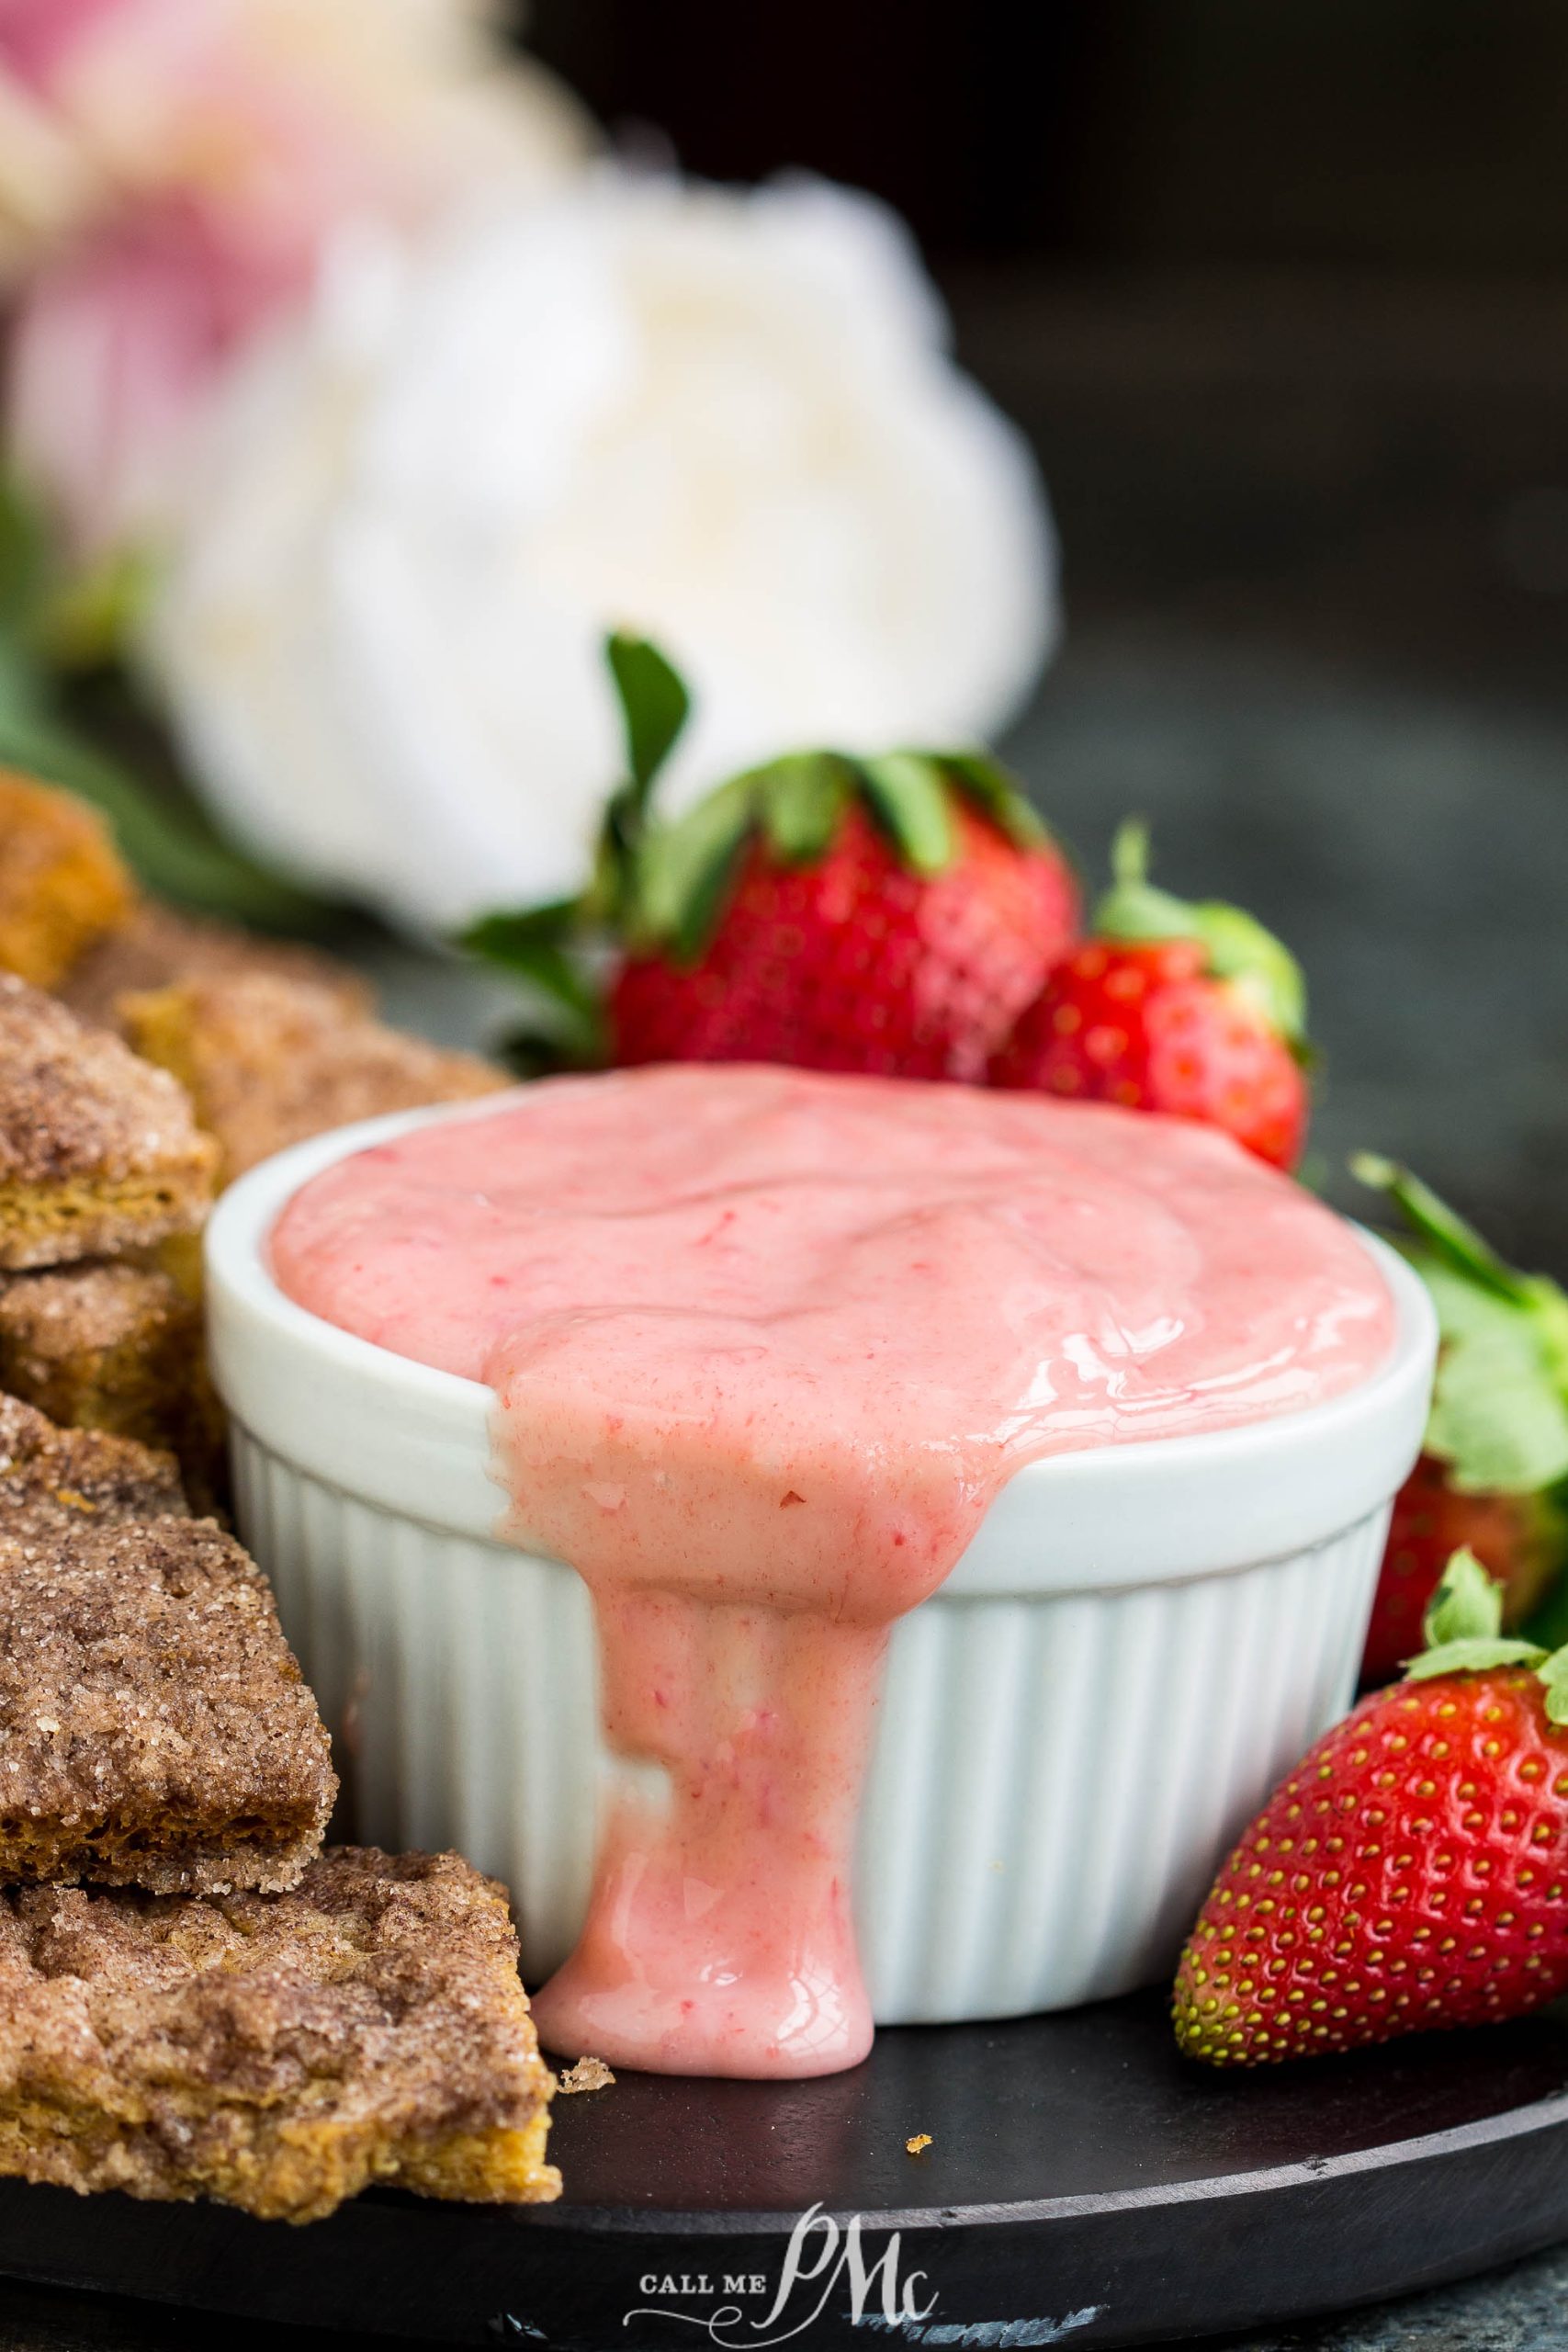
x,y
1135,1647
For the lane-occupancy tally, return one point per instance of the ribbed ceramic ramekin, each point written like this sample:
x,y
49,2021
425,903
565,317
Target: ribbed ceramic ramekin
x,y
1137,1644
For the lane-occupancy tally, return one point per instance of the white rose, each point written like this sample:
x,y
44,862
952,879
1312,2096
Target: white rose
x,y
728,420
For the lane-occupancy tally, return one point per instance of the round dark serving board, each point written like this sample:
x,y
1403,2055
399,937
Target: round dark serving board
x,y
1083,2185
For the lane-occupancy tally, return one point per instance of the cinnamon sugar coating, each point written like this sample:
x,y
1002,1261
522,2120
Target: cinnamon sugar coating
x,y
269,1061
100,1345
54,1480
62,883
279,2052
158,947
114,1346
154,1728
98,1152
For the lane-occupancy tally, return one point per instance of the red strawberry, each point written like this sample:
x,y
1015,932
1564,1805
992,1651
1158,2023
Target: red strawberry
x,y
1492,1476
1413,1870
847,954
1518,1539
891,915
1194,1010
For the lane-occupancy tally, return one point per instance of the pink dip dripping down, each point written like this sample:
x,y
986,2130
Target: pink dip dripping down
x,y
765,1345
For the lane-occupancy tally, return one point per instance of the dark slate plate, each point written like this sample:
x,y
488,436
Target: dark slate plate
x,y
1083,2185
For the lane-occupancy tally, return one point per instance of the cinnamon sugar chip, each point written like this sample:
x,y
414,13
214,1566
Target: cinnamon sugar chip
x,y
158,948
98,1152
52,1479
62,883
116,1346
588,2075
279,2052
269,1061
154,1729
103,1346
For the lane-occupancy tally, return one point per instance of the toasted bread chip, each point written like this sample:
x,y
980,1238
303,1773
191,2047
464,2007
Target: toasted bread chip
x,y
280,2054
154,1728
62,883
52,1478
118,1345
269,1061
98,1152
157,947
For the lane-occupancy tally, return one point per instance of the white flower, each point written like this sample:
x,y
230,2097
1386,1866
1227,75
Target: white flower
x,y
728,420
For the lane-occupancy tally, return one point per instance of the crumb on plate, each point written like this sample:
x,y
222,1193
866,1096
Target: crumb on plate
x,y
587,2075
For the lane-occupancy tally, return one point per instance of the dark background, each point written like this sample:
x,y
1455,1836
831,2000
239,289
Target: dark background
x,y
1280,292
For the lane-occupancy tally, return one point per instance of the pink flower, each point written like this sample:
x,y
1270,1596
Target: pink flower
x,y
169,171
36,35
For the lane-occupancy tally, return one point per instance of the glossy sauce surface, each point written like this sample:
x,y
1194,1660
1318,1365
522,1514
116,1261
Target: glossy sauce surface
x,y
764,1345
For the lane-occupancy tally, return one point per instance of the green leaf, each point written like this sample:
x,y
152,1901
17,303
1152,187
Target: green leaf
x,y
907,794
801,800
654,705
683,870
1469,1657
26,568
1467,1605
1238,948
1497,1420
535,945
997,794
499,938
542,1051
1463,1625
87,619
1241,949
1431,1220
1132,907
1554,1669
1554,1675
1500,1404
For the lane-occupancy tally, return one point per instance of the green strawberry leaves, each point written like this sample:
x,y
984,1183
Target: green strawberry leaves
x,y
800,801
663,887
683,871
1237,946
655,705
907,795
544,947
533,947
995,792
1499,1417
1467,1605
1463,1632
1463,1626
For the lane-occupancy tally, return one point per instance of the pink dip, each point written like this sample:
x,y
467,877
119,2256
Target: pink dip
x,y
765,1346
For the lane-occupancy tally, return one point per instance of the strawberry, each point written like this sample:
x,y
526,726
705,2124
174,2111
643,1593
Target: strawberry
x,y
1411,1872
1494,1474
889,914
1194,1010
